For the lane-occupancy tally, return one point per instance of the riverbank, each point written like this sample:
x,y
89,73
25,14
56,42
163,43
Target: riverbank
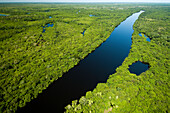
x,y
95,68
126,92
31,60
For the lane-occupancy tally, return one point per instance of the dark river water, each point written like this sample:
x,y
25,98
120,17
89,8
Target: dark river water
x,y
95,68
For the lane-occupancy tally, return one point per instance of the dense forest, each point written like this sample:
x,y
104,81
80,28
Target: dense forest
x,y
41,42
124,92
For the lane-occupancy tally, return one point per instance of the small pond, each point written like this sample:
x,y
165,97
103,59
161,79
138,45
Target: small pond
x,y
147,38
3,15
47,11
47,25
50,17
92,15
138,67
78,12
83,32
94,69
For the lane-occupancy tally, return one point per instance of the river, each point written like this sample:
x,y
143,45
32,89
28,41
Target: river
x,y
95,68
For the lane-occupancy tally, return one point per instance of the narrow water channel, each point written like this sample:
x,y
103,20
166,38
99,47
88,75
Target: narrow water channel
x,y
147,38
3,15
95,68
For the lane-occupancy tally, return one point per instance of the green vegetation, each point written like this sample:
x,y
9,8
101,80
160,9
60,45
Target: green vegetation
x,y
125,92
30,60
